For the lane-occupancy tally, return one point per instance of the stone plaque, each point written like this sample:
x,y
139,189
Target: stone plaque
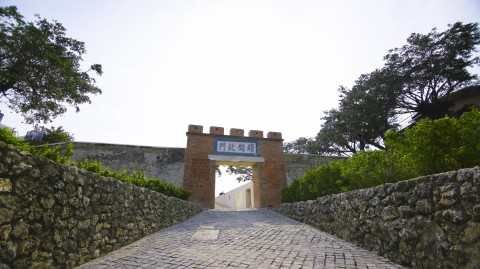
x,y
236,146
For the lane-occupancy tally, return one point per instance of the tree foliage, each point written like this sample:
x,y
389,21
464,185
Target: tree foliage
x,y
364,114
54,135
135,178
317,182
430,147
40,72
417,78
59,155
430,67
302,145
53,153
243,173
434,146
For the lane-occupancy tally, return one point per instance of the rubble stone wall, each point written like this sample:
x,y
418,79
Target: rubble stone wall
x,y
298,164
157,162
427,222
57,216
168,163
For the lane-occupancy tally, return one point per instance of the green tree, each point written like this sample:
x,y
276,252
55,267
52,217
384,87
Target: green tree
x,y
365,113
40,71
243,173
317,182
56,154
417,78
55,135
7,136
369,168
302,145
430,147
434,146
430,67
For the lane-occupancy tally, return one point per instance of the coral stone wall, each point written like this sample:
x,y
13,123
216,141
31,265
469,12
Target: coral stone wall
x,y
56,216
298,164
164,163
168,163
428,222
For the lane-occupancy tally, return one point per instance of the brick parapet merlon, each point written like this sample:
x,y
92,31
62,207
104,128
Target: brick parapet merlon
x,y
234,132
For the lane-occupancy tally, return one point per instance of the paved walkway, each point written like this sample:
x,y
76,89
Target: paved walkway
x,y
222,207
259,238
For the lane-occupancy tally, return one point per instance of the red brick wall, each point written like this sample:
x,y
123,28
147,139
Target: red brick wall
x,y
199,177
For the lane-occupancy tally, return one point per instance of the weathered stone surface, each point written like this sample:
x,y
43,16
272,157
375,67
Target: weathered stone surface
x,y
164,163
248,239
389,213
428,222
6,215
5,185
424,206
55,216
449,195
168,163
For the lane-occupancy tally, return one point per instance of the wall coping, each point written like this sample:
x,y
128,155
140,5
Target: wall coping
x,y
112,144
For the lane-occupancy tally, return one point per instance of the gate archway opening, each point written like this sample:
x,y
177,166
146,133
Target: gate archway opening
x,y
234,187
205,151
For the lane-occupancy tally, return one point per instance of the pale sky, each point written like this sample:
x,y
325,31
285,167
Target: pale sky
x,y
267,65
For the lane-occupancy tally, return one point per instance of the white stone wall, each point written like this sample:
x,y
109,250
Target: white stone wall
x,y
237,198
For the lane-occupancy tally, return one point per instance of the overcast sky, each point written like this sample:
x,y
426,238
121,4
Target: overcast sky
x,y
267,65
264,65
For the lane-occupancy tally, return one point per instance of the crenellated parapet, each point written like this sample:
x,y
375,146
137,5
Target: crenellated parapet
x,y
235,132
205,151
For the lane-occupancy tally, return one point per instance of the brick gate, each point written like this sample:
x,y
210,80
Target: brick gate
x,y
206,151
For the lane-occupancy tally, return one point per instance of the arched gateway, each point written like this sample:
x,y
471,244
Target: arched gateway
x,y
205,151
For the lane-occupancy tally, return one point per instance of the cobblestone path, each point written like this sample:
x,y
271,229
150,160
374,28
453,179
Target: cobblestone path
x,y
259,238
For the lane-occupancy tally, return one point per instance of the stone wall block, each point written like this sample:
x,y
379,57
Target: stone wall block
x,y
452,215
475,213
8,253
466,191
471,233
464,175
399,198
409,236
5,185
374,202
406,211
422,190
424,207
55,216
449,195
476,176
428,222
381,191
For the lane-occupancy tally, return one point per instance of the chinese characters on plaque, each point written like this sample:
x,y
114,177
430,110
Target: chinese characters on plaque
x,y
236,147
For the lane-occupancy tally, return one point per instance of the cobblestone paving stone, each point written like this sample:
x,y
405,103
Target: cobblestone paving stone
x,y
259,238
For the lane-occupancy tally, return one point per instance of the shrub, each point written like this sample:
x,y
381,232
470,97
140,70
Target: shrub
x,y
136,178
435,146
55,135
55,154
7,136
320,181
430,147
368,168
